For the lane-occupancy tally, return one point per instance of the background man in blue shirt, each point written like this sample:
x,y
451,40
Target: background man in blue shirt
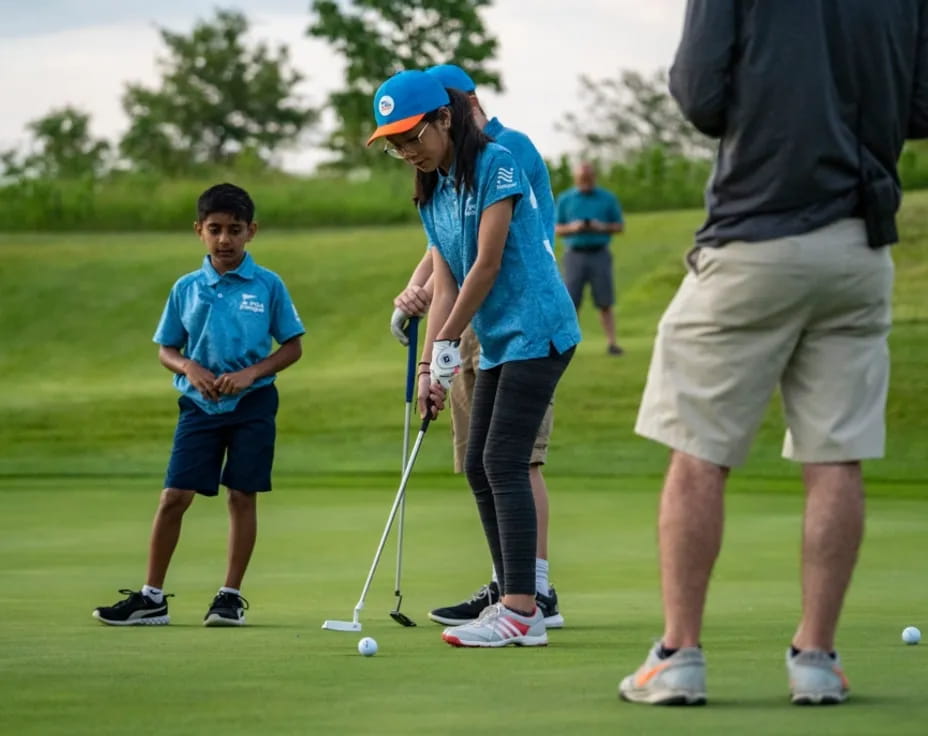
x,y
587,218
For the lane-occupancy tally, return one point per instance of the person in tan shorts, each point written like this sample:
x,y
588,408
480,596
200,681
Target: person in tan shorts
x,y
790,287
462,392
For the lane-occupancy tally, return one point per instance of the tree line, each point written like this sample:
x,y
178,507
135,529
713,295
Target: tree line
x,y
223,102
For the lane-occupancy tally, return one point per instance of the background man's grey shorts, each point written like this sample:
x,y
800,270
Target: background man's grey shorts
x,y
593,267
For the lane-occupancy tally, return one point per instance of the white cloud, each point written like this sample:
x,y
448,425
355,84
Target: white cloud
x,y
545,46
544,52
86,68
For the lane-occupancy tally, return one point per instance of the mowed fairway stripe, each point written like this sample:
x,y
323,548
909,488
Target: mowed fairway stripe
x,y
282,672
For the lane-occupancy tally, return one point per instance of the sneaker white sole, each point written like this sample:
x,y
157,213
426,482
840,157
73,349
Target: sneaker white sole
x,y
216,620
520,641
830,698
554,622
151,621
664,697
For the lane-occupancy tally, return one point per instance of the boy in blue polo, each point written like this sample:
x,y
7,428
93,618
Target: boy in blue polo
x,y
215,336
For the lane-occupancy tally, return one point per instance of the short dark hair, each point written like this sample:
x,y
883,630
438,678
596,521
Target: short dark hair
x,y
226,198
468,141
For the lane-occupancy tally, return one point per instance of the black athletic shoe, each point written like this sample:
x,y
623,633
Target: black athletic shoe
x,y
548,606
467,611
227,609
135,610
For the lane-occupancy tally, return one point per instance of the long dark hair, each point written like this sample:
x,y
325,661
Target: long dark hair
x,y
468,141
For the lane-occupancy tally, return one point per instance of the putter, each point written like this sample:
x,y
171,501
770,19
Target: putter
x,y
355,623
412,332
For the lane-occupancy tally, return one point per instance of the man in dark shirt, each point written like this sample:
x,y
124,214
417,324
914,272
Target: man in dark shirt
x,y
789,284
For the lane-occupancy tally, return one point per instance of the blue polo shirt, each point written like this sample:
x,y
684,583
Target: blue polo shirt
x,y
597,204
225,323
534,166
528,309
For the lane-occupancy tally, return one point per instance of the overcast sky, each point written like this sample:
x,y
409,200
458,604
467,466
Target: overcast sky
x,y
82,53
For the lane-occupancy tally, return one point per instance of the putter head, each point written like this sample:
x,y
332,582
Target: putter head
x,y
401,618
341,625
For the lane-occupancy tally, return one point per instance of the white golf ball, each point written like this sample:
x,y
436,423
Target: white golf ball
x,y
367,647
911,635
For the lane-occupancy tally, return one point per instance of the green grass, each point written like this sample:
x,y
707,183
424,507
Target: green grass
x,y
86,416
83,392
65,547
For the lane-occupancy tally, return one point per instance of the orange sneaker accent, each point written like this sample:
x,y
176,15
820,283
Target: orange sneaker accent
x,y
644,678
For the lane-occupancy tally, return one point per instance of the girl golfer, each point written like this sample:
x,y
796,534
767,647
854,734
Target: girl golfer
x,y
488,242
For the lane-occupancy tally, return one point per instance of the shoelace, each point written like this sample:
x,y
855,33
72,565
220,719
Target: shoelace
x,y
492,611
484,592
132,595
233,599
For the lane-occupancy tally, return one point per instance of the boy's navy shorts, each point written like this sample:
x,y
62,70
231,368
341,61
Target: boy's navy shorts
x,y
244,438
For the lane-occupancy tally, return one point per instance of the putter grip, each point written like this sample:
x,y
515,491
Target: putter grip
x,y
412,332
428,416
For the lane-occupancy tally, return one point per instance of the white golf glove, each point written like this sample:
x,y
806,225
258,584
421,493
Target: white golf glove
x,y
398,323
446,362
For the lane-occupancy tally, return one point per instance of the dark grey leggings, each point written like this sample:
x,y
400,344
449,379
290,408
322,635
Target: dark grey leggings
x,y
508,405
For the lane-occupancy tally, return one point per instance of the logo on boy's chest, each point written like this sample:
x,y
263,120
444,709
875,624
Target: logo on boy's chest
x,y
251,303
470,206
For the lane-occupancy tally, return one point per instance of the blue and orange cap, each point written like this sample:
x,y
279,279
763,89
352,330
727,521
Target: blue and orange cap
x,y
452,76
403,100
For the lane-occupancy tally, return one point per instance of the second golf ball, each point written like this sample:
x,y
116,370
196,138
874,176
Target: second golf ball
x,y
367,647
911,635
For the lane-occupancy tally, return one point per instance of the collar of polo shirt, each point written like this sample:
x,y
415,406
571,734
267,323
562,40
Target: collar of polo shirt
x,y
244,270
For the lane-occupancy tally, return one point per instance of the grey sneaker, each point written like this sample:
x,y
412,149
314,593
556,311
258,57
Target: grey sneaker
x,y
815,678
677,680
497,626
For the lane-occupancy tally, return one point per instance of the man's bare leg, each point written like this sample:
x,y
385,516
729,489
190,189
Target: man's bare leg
x,y
832,533
690,530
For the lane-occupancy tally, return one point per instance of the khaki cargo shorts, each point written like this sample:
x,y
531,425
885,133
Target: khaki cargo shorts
x,y
810,313
462,393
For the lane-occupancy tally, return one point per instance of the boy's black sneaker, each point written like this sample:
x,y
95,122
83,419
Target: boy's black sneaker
x,y
469,610
135,610
227,609
548,606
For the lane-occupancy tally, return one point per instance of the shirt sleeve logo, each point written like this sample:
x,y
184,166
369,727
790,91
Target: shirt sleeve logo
x,y
505,178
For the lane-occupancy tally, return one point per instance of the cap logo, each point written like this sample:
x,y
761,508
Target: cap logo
x,y
386,105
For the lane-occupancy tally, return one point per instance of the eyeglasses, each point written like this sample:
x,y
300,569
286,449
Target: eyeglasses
x,y
401,150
